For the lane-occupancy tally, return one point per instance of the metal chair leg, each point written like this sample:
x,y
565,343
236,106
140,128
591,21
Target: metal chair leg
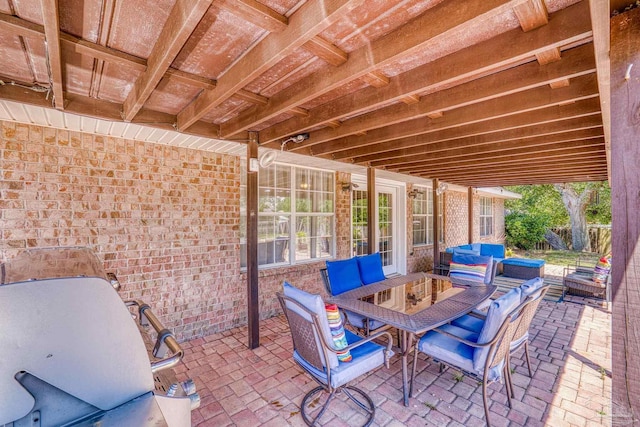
x,y
484,400
526,355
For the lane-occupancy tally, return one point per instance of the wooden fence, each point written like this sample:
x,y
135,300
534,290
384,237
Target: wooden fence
x,y
600,236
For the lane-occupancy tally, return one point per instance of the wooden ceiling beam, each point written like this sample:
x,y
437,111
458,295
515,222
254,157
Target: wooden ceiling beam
x,y
469,146
567,149
256,13
84,47
466,137
500,53
376,79
533,181
307,22
525,167
91,107
532,14
468,96
501,108
437,24
326,51
182,21
51,22
536,173
548,56
251,97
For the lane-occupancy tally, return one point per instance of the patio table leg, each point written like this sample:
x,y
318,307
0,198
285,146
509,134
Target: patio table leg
x,y
406,342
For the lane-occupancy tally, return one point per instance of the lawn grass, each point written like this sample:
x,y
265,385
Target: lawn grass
x,y
562,258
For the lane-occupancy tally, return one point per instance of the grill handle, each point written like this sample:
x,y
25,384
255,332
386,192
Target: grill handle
x,y
165,343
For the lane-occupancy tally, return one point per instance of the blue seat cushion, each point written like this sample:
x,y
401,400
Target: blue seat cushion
x,y
495,250
531,288
453,352
475,324
523,262
365,358
344,275
370,267
315,304
458,251
498,311
357,320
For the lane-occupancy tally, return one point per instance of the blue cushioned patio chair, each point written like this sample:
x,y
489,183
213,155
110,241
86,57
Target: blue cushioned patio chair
x,y
482,355
314,350
531,288
345,275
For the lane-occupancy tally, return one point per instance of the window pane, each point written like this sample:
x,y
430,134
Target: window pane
x,y
359,222
314,237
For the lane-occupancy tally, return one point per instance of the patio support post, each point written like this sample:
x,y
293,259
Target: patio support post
x,y
371,210
253,312
470,227
436,215
625,199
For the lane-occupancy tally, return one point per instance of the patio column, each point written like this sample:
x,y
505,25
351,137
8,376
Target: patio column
x,y
253,313
436,215
470,226
625,199
371,211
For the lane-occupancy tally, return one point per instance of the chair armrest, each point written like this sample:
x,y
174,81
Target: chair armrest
x,y
387,353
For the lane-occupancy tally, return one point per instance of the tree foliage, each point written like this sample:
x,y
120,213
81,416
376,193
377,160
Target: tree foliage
x,y
543,206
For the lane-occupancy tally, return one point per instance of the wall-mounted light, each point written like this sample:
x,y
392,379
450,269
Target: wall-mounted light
x,y
347,186
442,187
296,139
414,193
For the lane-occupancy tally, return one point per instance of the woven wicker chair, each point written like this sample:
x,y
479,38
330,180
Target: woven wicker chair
x,y
483,355
578,280
315,352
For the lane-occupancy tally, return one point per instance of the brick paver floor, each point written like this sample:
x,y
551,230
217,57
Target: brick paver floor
x,y
571,384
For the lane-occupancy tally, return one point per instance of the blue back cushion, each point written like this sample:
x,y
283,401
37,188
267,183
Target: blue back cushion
x,y
370,267
498,312
344,275
465,251
473,260
530,287
314,304
495,250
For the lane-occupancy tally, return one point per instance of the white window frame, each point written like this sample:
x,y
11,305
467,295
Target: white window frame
x,y
486,216
427,193
292,215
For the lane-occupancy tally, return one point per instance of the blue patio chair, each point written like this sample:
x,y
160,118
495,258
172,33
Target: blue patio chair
x,y
316,351
345,275
474,321
483,355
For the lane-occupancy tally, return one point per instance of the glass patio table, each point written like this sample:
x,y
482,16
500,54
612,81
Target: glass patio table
x,y
410,317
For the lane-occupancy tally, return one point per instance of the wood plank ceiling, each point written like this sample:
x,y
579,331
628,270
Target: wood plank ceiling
x,y
477,93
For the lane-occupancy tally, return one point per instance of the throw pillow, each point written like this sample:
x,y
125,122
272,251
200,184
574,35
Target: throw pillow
x,y
337,332
474,272
344,275
370,267
601,271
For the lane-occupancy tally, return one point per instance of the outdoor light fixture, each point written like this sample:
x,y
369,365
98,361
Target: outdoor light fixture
x,y
414,193
442,187
296,139
347,186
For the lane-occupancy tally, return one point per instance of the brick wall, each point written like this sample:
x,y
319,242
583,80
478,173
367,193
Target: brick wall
x,y
164,219
456,218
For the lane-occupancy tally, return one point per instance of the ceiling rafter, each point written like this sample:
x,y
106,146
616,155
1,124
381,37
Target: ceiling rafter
x,y
459,150
532,14
540,98
52,47
566,28
256,13
558,174
436,24
311,19
183,19
573,148
530,135
526,170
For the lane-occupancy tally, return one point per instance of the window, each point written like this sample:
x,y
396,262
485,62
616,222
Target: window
x,y
423,217
486,216
295,215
